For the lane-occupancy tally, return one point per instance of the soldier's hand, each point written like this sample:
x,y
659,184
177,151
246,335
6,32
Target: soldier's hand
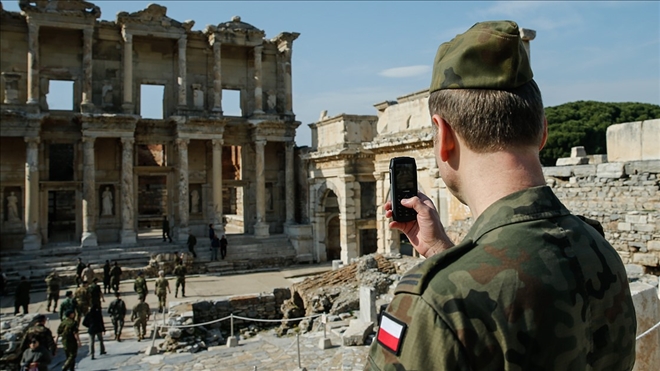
x,y
426,232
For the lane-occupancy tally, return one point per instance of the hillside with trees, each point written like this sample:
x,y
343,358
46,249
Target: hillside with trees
x,y
584,123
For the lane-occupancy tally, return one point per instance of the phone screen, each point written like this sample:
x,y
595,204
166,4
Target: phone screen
x,y
403,178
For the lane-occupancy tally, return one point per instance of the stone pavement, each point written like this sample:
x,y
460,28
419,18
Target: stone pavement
x,y
265,351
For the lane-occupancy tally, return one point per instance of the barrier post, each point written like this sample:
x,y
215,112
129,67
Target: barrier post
x,y
152,349
324,343
232,341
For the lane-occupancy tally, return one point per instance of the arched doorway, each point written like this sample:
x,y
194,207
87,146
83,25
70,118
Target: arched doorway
x,y
332,230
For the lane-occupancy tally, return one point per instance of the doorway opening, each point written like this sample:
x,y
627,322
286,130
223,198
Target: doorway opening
x,y
152,202
61,216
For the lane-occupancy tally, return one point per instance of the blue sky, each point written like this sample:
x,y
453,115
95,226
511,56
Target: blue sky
x,y
351,55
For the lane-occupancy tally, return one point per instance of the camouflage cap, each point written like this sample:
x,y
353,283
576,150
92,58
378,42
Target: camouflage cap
x,y
490,55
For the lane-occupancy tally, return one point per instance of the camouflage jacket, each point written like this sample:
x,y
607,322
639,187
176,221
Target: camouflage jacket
x,y
141,311
531,287
140,286
95,293
53,283
83,299
68,330
180,272
68,303
43,334
162,285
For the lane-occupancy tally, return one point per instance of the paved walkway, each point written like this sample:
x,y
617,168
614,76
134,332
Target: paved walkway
x,y
265,351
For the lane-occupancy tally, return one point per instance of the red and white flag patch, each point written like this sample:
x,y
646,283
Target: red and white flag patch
x,y
391,333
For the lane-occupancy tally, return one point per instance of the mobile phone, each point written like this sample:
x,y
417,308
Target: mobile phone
x,y
403,184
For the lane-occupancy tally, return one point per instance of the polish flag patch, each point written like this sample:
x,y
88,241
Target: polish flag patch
x,y
391,333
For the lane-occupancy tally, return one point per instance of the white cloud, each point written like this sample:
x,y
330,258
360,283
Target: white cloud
x,y
408,71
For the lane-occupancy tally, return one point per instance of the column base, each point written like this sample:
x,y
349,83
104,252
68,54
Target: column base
x,y
32,242
127,108
89,239
261,230
182,235
128,237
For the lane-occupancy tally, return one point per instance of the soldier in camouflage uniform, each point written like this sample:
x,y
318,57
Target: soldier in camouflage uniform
x,y
117,311
83,301
180,273
68,330
530,287
162,288
68,303
115,277
53,282
42,333
140,316
95,293
140,286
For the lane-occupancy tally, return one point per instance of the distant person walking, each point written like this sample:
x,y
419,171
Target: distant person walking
x,y
192,241
211,232
180,273
80,267
95,293
95,328
117,311
22,295
140,286
68,331
83,301
140,316
69,303
115,277
162,288
106,277
223,247
88,274
53,282
166,229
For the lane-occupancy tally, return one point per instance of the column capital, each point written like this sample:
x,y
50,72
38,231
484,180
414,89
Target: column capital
x,y
217,142
258,49
214,41
181,142
87,139
88,31
182,41
260,142
127,141
128,37
33,27
32,141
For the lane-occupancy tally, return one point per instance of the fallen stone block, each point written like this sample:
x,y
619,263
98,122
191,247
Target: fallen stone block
x,y
357,333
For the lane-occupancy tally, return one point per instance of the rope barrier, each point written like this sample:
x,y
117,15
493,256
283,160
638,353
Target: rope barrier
x,y
648,331
239,317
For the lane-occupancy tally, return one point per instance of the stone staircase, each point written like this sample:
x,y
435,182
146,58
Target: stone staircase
x,y
244,253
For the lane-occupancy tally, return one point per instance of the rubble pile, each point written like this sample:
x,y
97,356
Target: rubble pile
x,y
336,292
188,339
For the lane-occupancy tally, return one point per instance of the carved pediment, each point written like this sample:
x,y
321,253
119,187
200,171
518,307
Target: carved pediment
x,y
236,32
153,15
72,8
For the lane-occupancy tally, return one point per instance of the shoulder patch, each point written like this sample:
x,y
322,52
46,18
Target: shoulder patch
x,y
391,333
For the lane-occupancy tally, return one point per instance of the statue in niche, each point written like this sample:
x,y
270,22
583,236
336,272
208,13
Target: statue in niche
x,y
107,202
107,94
271,100
194,206
12,208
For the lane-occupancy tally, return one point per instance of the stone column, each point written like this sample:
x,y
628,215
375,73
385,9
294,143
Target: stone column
x,y
184,204
217,76
217,187
128,72
258,93
89,194
182,71
127,235
88,34
261,227
287,80
290,184
33,64
32,240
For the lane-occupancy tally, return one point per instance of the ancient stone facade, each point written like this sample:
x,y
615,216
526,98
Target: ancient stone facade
x,y
98,171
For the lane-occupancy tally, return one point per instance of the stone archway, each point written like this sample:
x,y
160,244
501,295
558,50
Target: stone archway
x,y
327,213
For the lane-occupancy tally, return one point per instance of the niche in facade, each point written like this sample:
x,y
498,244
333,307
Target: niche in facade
x,y
60,162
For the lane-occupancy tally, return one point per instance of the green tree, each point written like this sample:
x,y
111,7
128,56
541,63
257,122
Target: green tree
x,y
585,123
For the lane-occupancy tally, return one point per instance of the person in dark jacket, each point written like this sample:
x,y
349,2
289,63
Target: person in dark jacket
x,y
211,232
115,276
117,311
35,357
223,247
215,245
192,241
166,229
22,296
39,331
95,327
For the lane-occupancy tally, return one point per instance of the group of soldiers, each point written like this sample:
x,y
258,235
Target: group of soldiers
x,y
88,297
